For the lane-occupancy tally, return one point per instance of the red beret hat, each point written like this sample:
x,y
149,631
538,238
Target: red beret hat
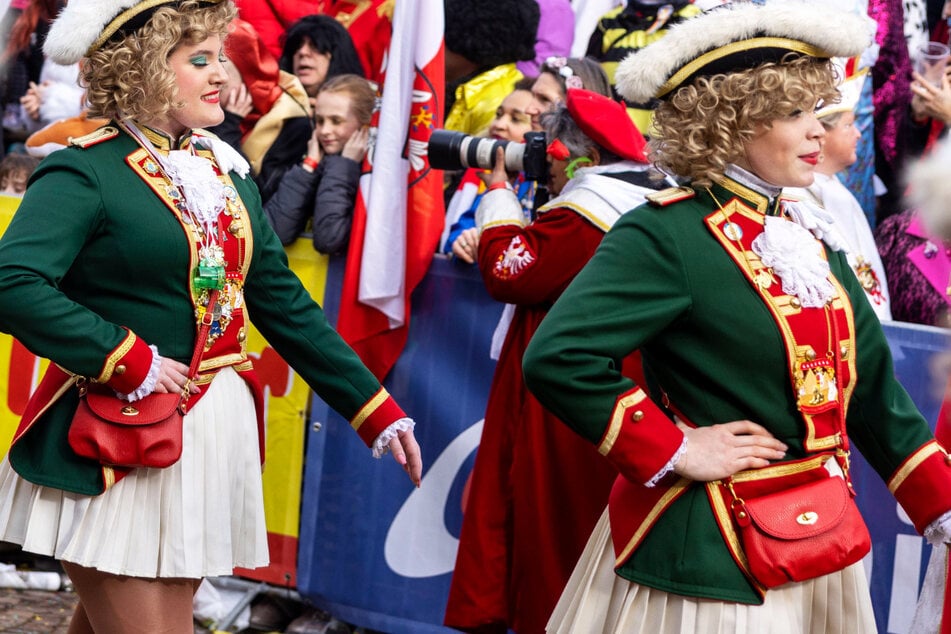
x,y
607,123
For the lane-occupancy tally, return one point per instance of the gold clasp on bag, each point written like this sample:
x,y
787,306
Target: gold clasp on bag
x,y
738,506
186,394
807,518
845,463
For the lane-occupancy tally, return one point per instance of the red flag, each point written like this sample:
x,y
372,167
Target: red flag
x,y
399,214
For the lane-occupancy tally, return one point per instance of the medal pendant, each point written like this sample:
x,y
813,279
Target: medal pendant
x,y
208,276
764,278
732,231
816,386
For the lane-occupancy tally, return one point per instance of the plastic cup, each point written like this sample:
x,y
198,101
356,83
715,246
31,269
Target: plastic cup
x,y
931,61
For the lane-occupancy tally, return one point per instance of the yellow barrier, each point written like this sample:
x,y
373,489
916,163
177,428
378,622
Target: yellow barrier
x,y
287,400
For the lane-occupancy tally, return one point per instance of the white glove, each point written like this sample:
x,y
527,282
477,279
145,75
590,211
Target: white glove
x,y
229,159
818,221
939,531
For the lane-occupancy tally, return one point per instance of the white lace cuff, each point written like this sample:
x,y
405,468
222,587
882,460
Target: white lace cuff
x,y
939,531
667,468
148,385
381,446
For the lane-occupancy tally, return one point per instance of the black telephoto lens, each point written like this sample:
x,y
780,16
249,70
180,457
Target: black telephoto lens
x,y
444,149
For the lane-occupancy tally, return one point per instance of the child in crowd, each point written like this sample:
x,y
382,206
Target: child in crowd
x,y
15,170
511,122
323,188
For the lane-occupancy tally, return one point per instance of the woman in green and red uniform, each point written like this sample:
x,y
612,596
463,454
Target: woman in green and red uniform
x,y
764,361
107,269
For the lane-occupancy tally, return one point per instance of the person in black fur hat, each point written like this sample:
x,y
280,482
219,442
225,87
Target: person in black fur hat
x,y
483,42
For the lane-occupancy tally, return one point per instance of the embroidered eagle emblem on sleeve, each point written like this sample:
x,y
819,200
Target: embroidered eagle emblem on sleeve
x,y
514,259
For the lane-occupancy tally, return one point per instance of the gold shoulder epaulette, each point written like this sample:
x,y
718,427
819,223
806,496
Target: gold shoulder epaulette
x,y
670,196
96,136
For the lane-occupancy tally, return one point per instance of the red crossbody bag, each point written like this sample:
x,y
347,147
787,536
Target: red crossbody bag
x,y
142,433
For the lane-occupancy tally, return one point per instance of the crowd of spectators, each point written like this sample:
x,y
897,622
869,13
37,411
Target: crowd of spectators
x,y
281,54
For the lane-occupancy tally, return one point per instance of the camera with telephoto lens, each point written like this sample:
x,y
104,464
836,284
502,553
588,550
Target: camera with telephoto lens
x,y
451,150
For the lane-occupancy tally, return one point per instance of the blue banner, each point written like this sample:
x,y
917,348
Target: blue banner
x,y
896,565
376,552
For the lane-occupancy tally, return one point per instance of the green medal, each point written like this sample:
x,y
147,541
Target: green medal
x,y
208,275
210,272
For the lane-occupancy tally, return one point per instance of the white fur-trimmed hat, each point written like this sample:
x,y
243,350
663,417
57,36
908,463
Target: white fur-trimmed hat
x,y
738,36
850,90
85,25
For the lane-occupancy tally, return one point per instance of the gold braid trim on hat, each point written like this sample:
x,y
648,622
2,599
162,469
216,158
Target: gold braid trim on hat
x,y
695,65
116,23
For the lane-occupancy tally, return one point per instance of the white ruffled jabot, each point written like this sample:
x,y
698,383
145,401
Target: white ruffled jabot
x,y
200,186
793,247
795,256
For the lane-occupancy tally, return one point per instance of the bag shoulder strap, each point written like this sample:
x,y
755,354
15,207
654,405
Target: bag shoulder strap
x,y
206,321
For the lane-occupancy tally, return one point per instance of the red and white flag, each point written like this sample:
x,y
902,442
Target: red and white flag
x,y
399,213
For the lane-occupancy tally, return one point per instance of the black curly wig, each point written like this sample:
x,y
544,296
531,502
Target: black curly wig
x,y
492,32
327,36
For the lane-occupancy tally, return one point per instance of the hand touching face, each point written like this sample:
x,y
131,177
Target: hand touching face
x,y
334,121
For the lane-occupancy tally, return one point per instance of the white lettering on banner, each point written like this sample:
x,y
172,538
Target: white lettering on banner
x,y
905,575
420,521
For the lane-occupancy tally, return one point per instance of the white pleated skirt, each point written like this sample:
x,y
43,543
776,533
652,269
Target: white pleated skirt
x,y
201,517
598,601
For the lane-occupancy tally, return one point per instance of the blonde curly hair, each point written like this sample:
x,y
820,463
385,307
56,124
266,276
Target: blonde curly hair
x,y
132,77
705,125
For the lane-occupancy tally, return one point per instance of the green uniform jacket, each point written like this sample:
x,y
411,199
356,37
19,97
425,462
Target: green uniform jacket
x,y
662,283
95,264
